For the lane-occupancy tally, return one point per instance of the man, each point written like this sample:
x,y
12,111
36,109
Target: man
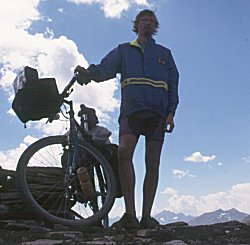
x,y
149,98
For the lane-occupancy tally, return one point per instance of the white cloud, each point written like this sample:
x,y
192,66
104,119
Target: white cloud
x,y
238,197
57,127
246,159
17,15
114,8
169,191
52,57
61,10
177,173
9,158
199,158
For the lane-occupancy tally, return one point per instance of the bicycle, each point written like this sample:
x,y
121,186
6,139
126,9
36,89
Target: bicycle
x,y
46,174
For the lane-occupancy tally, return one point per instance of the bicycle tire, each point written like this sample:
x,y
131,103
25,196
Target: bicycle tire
x,y
43,186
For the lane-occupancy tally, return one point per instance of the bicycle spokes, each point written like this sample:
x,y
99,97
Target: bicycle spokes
x,y
58,191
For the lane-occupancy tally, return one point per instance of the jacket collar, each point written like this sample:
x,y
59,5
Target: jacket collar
x,y
135,43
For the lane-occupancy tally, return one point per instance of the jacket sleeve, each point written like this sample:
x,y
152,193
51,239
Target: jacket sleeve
x,y
108,68
173,83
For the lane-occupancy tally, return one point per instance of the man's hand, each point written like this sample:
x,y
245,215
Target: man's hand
x,y
169,124
82,75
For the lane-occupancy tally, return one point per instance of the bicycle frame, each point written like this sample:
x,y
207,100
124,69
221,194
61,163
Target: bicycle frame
x,y
74,129
72,138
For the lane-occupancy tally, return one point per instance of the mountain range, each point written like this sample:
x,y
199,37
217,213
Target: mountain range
x,y
166,217
217,216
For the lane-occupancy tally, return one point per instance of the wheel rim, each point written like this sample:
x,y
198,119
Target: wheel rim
x,y
57,199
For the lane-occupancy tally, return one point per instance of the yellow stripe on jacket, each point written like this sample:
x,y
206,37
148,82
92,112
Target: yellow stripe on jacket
x,y
144,81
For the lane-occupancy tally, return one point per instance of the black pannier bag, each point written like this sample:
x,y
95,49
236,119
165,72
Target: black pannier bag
x,y
110,151
26,77
35,98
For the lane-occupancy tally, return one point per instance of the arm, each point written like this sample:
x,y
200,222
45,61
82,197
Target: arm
x,y
107,69
173,96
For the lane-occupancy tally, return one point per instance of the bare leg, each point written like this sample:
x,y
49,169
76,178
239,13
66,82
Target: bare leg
x,y
126,148
153,153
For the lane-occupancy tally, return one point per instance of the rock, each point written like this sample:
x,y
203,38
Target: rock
x,y
175,242
176,224
4,209
47,242
144,233
66,234
101,242
34,233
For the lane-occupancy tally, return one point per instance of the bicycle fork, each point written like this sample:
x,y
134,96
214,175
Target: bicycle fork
x,y
73,158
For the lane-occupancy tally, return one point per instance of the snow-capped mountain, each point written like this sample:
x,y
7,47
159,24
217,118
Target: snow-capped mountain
x,y
218,216
166,217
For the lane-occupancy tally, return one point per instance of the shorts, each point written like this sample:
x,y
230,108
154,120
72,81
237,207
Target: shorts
x,y
147,123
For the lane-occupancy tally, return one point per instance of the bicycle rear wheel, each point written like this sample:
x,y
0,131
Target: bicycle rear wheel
x,y
53,195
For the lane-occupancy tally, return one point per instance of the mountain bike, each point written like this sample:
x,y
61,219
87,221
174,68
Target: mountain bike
x,y
48,180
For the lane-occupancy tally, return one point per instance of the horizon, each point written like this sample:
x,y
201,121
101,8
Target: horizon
x,y
205,162
202,219
197,215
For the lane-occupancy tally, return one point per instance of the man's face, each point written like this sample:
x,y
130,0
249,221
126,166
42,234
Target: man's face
x,y
146,25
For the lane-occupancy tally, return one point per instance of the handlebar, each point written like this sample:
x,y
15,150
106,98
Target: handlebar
x,y
65,92
77,77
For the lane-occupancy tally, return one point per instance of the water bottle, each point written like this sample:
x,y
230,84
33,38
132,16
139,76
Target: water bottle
x,y
86,186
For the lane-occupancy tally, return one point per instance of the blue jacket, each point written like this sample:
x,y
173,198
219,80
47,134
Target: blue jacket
x,y
149,77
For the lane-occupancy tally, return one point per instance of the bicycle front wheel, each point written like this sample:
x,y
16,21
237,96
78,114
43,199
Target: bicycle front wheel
x,y
43,180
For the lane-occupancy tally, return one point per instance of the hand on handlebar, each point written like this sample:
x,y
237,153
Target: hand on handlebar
x,y
82,75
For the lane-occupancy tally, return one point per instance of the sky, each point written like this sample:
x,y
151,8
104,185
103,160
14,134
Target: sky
x,y
205,163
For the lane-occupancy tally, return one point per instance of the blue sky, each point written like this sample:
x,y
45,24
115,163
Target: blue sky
x,y
206,160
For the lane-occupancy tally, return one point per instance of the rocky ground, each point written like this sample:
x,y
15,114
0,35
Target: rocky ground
x,y
19,225
35,232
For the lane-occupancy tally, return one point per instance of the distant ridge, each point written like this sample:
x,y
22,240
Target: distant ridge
x,y
217,216
246,220
167,217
